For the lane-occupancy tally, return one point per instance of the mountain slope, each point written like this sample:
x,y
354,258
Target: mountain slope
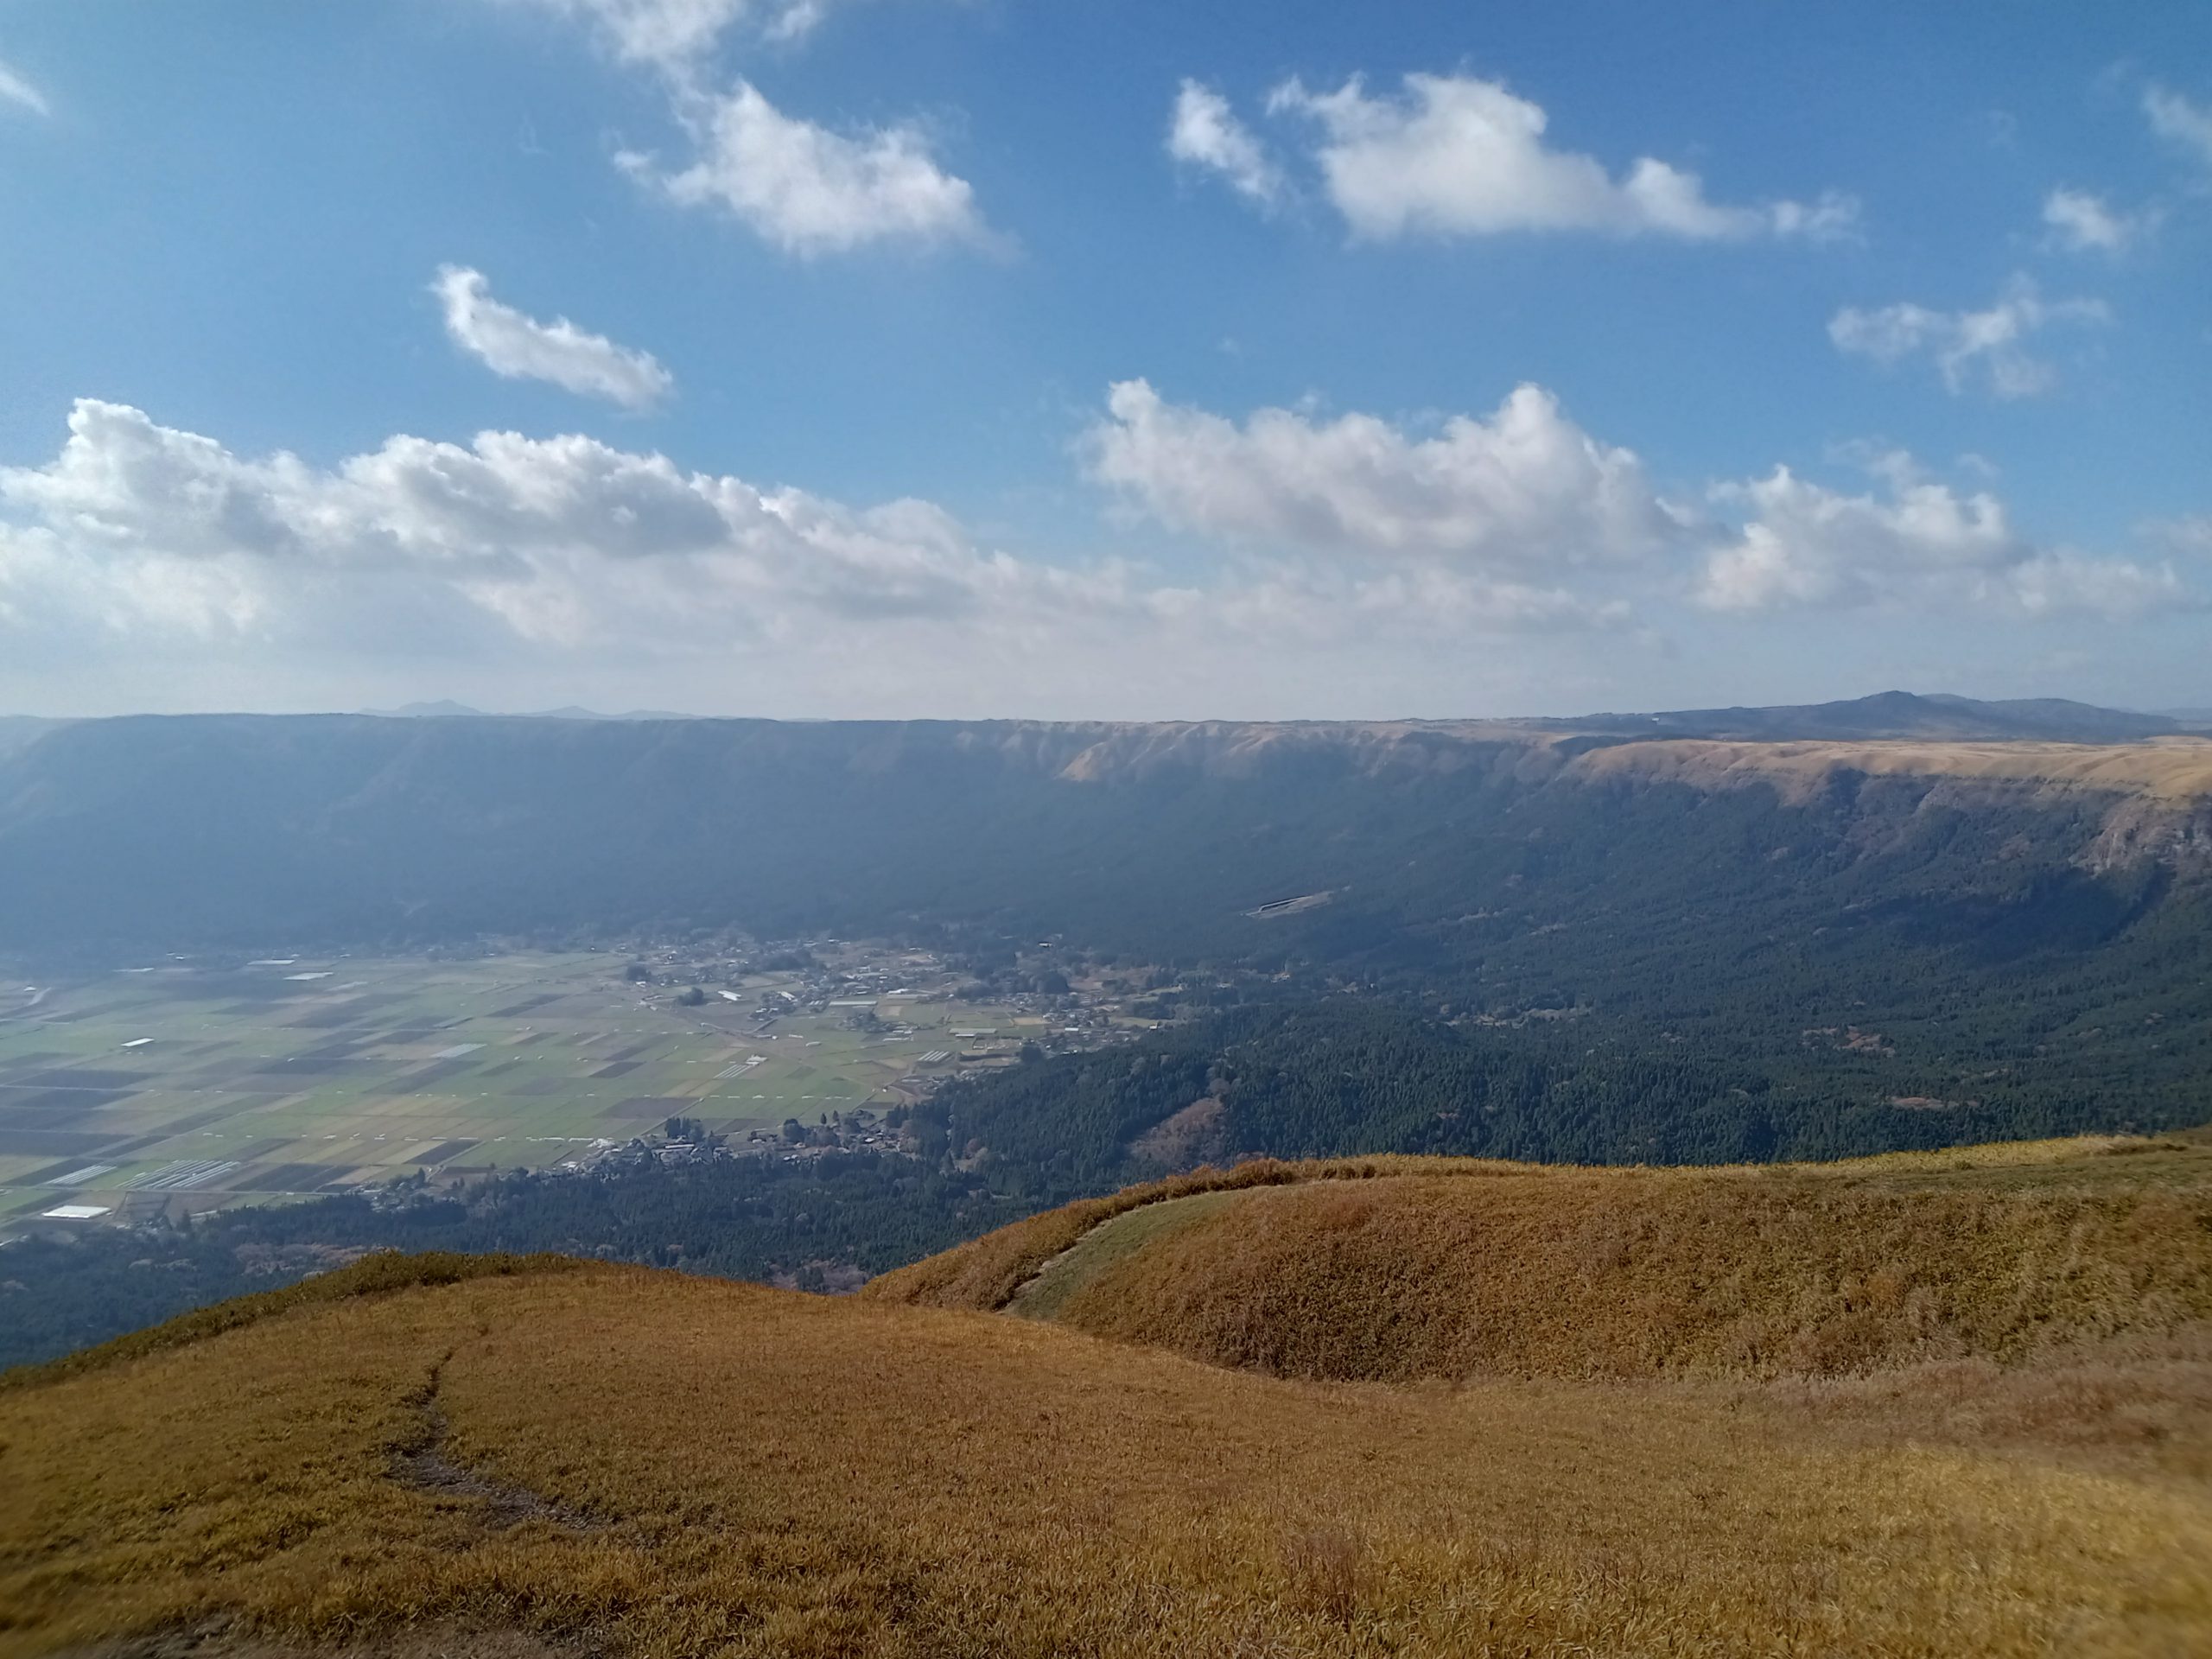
x,y
1403,1269
1800,948
1902,714
236,832
625,1462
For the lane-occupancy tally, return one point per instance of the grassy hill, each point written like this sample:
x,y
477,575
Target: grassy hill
x,y
1400,1269
525,1456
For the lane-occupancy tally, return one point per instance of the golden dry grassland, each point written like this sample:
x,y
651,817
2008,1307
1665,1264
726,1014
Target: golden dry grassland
x,y
1595,1273
2173,770
637,1463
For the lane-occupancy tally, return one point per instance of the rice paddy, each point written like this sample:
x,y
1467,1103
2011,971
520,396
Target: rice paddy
x,y
178,1087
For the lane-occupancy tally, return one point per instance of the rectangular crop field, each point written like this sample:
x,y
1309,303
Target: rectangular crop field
x,y
175,1087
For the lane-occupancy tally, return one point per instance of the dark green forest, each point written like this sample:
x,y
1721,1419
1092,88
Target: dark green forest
x,y
1338,1075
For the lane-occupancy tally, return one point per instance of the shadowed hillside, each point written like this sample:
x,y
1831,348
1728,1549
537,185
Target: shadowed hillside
x,y
209,832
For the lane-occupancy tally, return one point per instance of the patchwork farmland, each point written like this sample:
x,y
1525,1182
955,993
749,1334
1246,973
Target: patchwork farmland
x,y
178,1088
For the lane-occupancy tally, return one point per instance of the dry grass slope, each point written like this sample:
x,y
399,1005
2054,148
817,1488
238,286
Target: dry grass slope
x,y
377,1273
1627,1273
645,1464
768,1474
2171,769
1395,1269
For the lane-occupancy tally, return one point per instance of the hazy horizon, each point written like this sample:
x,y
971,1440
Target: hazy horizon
x,y
438,708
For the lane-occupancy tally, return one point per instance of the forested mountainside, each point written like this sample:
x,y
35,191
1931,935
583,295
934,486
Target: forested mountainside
x,y
1432,844
1501,872
1913,927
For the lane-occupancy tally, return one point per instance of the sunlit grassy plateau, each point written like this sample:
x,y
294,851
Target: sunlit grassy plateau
x,y
1945,1404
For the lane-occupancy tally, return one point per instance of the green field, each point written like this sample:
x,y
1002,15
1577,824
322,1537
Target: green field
x,y
187,1087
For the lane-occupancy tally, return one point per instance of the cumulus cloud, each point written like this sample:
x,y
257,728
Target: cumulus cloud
x,y
1521,519
1523,489
1205,132
803,185
1342,565
15,90
671,33
520,347
1915,543
1969,347
2081,221
2175,119
1460,156
810,190
554,537
144,535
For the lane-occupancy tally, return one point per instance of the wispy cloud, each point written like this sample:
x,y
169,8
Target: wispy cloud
x,y
673,33
2082,221
1204,132
16,90
2174,117
520,347
1984,347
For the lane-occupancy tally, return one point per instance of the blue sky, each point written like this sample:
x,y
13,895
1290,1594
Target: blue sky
x,y
1471,359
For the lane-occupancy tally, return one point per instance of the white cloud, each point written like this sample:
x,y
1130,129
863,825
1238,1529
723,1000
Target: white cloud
x,y
2191,535
2081,221
674,33
564,558
811,191
1521,520
1967,346
1205,132
1458,155
1360,570
1525,489
807,188
14,89
2173,117
541,533
1918,543
520,347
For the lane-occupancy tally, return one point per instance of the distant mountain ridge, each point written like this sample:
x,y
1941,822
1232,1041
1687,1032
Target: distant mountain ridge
x,y
447,708
1884,714
19,731
1896,715
190,831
